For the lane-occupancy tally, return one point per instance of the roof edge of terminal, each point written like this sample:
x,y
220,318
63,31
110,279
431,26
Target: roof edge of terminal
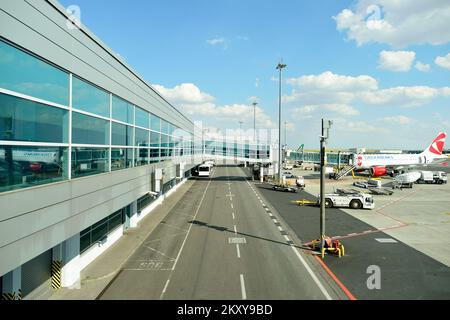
x,y
62,10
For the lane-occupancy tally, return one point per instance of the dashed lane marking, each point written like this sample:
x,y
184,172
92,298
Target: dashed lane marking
x,y
244,294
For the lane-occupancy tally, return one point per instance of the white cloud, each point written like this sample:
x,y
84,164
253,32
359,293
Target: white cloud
x,y
397,120
191,100
184,93
341,109
218,42
396,61
333,89
398,23
423,67
443,62
400,96
333,82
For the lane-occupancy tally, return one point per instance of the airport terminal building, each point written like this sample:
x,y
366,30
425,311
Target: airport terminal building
x,y
87,148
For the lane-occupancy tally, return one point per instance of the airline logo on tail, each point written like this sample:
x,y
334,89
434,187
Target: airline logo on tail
x,y
437,145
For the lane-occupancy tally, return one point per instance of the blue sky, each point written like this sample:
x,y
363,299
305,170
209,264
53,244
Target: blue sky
x,y
212,58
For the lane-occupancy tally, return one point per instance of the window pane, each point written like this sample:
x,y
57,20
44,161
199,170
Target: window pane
x,y
89,130
23,167
155,123
115,220
155,139
122,110
142,137
164,140
154,153
142,118
121,135
142,157
26,74
24,120
121,158
89,161
164,127
89,98
85,242
164,153
99,232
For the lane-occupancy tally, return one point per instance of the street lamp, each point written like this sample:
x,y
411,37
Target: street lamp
x,y
254,121
280,67
323,141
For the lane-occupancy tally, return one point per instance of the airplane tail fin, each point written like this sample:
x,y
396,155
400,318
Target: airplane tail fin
x,y
436,147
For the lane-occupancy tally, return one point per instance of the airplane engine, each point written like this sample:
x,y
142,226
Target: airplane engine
x,y
378,171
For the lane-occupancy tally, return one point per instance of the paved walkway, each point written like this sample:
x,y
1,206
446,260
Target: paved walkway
x,y
96,276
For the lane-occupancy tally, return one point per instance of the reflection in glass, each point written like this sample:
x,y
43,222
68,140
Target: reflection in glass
x,y
121,158
141,138
24,73
89,161
155,139
155,123
121,135
154,155
89,130
142,157
122,110
164,141
142,118
89,98
25,120
23,167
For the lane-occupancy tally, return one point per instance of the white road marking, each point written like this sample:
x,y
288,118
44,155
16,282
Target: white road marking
x,y
235,230
232,206
187,234
165,288
233,215
238,252
311,273
386,240
280,228
244,294
275,221
287,238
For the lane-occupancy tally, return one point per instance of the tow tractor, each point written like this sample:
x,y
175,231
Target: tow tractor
x,y
343,198
284,187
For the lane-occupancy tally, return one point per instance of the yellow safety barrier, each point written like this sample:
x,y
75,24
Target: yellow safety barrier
x,y
339,248
56,274
304,202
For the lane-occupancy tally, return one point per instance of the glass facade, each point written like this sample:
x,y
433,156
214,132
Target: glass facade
x,y
107,132
121,135
122,110
89,161
89,130
24,166
25,120
26,74
89,98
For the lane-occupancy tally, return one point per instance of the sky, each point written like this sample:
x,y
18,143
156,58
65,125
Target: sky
x,y
378,69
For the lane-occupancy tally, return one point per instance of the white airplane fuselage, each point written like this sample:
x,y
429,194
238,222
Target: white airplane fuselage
x,y
367,161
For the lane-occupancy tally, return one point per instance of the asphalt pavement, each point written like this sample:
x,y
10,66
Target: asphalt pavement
x,y
405,273
221,241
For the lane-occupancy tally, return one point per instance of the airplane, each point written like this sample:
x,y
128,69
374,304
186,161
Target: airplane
x,y
379,164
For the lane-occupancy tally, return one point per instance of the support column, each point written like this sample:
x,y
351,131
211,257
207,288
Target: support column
x,y
71,268
12,285
261,173
134,216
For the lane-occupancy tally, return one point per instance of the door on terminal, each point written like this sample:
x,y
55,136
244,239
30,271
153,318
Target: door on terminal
x,y
126,217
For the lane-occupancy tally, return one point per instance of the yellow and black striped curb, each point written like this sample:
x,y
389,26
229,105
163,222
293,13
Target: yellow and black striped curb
x,y
9,296
19,295
56,274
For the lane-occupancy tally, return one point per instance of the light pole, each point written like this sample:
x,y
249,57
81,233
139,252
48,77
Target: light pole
x,y
280,67
323,141
254,121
